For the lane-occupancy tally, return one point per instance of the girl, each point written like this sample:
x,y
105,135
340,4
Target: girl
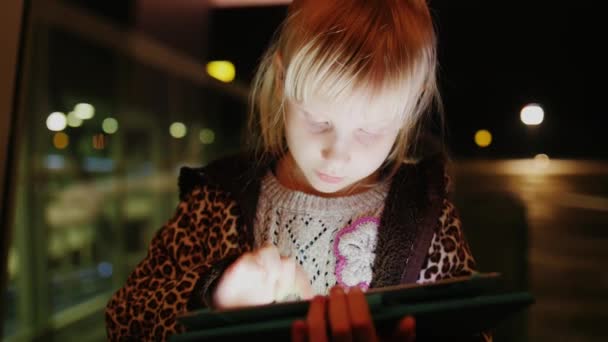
x,y
341,189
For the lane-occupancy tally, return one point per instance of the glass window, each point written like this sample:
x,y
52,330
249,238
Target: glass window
x,y
103,132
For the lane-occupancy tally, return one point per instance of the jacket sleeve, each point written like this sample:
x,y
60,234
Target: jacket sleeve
x,y
184,258
449,254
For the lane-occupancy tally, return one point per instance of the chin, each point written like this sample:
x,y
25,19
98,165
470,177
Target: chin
x,y
326,188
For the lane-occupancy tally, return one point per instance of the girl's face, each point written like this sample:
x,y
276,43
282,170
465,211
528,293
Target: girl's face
x,y
336,147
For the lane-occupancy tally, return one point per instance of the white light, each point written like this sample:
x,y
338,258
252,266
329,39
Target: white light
x,y
56,122
206,136
178,130
109,125
73,120
84,111
532,114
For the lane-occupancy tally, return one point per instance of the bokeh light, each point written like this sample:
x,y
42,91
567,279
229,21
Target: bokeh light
x,y
99,141
483,138
221,70
56,121
73,120
178,130
109,125
206,136
61,140
541,161
532,114
84,111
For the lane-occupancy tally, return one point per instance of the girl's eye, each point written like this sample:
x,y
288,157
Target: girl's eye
x,y
367,136
318,126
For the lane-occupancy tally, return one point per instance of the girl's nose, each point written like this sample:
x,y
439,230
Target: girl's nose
x,y
337,152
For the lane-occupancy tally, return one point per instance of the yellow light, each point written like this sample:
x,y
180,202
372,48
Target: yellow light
x,y
61,140
532,114
178,130
56,121
541,160
84,111
73,120
483,138
109,125
221,70
207,136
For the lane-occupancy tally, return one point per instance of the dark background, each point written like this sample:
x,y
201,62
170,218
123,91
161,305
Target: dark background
x,y
495,57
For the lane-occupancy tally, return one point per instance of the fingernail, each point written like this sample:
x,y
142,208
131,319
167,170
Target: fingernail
x,y
355,289
337,290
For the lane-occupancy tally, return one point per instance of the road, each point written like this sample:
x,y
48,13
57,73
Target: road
x,y
544,225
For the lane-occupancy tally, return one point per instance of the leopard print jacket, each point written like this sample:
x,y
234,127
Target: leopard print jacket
x,y
207,230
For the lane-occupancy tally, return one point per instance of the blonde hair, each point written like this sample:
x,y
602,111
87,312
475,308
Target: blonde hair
x,y
332,48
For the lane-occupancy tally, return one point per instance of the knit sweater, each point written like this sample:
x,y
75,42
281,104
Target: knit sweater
x,y
332,238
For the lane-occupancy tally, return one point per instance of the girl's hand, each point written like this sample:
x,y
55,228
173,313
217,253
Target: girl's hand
x,y
260,277
292,282
349,320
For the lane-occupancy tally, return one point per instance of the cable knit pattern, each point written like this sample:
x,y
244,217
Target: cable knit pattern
x,y
305,227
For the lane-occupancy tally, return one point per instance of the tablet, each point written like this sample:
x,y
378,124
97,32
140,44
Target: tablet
x,y
458,305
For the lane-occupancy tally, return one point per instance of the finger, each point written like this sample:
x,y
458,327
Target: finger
x,y
339,321
248,270
302,283
232,289
270,260
287,278
251,282
360,317
299,331
406,329
269,254
315,320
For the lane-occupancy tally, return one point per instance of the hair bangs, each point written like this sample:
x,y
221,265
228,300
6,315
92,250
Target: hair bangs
x,y
317,72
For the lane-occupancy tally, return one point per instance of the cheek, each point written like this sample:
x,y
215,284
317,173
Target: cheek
x,y
386,146
299,141
370,160
292,133
374,156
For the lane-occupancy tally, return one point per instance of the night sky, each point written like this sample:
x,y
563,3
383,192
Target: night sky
x,y
495,57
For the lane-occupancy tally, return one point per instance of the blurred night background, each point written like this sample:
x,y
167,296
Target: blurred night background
x,y
117,95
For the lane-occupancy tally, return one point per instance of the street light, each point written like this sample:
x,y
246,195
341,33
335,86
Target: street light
x,y
532,114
